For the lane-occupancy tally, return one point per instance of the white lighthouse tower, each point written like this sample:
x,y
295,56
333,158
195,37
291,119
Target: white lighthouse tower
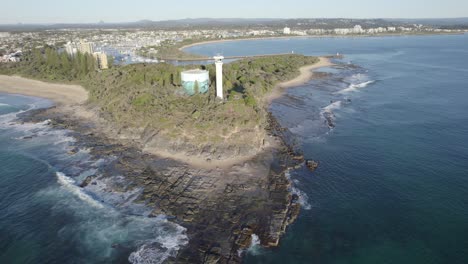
x,y
219,75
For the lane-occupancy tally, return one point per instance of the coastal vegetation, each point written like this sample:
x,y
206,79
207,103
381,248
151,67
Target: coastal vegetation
x,y
170,50
149,98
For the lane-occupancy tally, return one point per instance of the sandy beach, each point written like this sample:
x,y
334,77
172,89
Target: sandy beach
x,y
307,74
238,39
64,94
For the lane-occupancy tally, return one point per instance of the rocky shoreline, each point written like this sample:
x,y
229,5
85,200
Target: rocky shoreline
x,y
222,208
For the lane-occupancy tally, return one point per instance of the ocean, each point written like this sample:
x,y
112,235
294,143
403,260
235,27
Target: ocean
x,y
389,127
45,217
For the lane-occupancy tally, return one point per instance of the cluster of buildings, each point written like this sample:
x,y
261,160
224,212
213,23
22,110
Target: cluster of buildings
x,y
126,45
12,57
356,30
88,48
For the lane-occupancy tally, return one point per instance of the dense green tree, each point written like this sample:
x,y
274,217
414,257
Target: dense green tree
x,y
196,87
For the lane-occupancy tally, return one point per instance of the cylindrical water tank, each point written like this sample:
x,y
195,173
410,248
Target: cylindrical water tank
x,y
193,80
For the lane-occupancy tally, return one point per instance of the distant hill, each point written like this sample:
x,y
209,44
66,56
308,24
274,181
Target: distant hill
x,y
212,23
435,21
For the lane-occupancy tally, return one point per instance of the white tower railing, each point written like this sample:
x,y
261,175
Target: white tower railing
x,y
219,76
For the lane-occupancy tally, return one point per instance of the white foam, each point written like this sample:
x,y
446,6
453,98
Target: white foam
x,y
303,198
155,239
69,184
167,243
105,190
7,119
255,248
333,106
355,87
2,104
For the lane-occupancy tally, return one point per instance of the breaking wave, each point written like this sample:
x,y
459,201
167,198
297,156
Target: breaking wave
x,y
255,248
71,186
355,87
303,198
170,238
102,222
333,106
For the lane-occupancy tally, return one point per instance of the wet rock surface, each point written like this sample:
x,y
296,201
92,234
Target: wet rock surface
x,y
312,165
221,208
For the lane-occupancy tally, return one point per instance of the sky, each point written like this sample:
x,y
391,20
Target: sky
x,y
92,11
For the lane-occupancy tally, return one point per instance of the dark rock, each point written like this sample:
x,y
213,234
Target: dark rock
x,y
73,151
86,182
220,208
312,165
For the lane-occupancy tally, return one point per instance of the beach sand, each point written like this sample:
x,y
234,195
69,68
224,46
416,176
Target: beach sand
x,y
64,94
307,74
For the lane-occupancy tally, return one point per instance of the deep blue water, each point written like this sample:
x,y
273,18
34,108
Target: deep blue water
x,y
392,186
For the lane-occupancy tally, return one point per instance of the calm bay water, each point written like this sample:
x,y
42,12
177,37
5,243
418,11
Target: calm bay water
x,y
392,186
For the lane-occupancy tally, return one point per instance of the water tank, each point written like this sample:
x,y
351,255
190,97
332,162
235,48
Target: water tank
x,y
193,80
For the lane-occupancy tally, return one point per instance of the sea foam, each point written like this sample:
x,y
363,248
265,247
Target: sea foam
x,y
108,217
355,87
303,199
169,239
69,184
255,248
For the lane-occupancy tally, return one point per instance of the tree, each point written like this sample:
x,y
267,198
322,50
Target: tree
x,y
110,61
196,87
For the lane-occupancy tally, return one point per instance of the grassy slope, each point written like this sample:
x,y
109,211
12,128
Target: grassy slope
x,y
149,96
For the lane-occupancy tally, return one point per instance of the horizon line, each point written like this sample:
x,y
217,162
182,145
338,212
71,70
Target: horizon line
x,y
222,18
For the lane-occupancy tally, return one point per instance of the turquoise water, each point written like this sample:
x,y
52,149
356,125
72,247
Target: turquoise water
x,y
392,186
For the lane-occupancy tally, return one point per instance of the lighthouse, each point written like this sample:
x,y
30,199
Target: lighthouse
x,y
219,76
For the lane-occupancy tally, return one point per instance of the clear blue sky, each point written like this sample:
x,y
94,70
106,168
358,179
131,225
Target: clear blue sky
x,y
85,11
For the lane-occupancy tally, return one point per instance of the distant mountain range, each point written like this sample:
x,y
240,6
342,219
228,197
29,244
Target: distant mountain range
x,y
435,21
210,23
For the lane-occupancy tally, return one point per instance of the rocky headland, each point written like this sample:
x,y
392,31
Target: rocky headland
x,y
223,202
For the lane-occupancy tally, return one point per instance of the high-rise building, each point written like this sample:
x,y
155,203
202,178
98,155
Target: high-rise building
x,y
70,49
86,47
101,59
286,31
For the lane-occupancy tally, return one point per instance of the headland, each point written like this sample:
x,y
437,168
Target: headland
x,y
223,192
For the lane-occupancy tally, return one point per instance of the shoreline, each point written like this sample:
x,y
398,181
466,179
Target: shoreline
x,y
306,74
205,200
71,100
61,94
214,41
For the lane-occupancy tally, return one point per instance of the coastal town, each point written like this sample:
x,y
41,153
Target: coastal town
x,y
139,44
155,142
